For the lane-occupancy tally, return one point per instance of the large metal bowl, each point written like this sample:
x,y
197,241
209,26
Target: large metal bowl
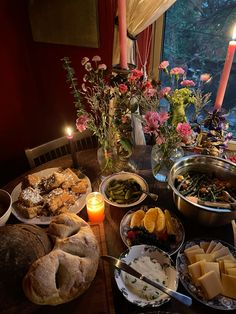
x,y
215,166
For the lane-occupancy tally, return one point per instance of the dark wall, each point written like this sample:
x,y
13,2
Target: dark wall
x,y
35,101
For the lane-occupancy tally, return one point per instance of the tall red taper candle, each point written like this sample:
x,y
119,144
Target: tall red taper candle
x,y
122,33
226,71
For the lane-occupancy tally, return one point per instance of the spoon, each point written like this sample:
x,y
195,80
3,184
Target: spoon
x,y
152,195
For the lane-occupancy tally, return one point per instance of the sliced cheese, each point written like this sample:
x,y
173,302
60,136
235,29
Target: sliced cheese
x,y
192,253
229,285
210,284
231,271
204,245
222,266
208,266
194,247
195,271
204,256
221,252
217,247
211,246
229,264
228,257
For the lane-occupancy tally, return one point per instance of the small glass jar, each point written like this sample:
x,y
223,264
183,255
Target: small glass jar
x,y
95,207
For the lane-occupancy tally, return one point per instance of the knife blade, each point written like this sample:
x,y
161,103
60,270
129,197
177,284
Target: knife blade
x,y
128,269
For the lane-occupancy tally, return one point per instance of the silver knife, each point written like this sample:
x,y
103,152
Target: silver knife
x,y
128,269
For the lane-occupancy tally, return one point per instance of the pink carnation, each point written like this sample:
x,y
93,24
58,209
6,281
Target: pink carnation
x,y
164,91
147,84
205,77
184,129
123,88
163,65
137,73
84,60
150,92
102,66
177,71
152,121
163,117
159,139
81,123
96,59
187,83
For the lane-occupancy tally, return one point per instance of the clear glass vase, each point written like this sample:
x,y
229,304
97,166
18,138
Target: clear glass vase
x,y
107,158
162,160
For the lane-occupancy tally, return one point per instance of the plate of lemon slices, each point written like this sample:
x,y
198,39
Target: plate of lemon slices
x,y
152,226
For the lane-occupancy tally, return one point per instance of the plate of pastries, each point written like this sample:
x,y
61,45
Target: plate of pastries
x,y
48,193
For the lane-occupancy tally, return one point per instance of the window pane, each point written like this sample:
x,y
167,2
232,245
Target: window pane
x,y
196,38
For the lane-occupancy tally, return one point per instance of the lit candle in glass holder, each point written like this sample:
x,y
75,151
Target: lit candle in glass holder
x,y
69,136
95,207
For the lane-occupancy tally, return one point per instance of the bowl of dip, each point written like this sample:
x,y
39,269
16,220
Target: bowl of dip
x,y
153,263
5,206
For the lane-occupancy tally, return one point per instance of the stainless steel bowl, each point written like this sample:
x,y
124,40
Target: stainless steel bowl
x,y
219,167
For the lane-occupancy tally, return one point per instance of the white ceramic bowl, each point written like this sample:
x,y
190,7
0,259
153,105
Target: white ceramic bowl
x,y
134,295
5,206
124,176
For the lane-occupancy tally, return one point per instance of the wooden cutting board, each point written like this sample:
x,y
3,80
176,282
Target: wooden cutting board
x,y
97,299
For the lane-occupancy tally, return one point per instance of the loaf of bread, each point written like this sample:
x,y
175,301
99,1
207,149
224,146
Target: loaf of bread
x,y
20,246
68,270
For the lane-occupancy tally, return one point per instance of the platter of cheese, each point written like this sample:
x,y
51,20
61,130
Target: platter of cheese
x,y
207,270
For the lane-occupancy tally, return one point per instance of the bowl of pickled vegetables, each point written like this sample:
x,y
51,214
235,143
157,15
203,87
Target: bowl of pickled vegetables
x,y
124,189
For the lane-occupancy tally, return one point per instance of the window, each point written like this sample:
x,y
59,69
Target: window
x,y
196,37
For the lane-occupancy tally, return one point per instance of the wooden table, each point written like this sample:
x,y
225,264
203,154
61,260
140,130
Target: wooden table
x,y
115,246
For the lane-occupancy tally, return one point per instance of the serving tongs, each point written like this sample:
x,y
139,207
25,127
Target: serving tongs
x,y
218,204
227,197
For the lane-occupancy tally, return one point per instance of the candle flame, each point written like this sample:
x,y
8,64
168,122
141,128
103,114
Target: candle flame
x,y
69,131
234,33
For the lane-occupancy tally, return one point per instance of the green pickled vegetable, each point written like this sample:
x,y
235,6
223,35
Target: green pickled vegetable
x,y
123,191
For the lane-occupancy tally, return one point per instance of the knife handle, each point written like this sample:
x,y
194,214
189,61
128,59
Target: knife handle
x,y
174,294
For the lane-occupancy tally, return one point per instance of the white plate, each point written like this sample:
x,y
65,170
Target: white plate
x,y
171,248
220,302
124,176
163,259
44,220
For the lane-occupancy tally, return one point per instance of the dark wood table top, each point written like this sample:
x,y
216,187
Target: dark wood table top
x,y
141,161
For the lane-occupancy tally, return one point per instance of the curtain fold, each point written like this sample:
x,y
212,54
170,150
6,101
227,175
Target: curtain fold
x,y
139,15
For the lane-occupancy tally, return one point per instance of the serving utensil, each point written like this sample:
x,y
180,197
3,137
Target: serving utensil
x,y
153,196
128,269
217,204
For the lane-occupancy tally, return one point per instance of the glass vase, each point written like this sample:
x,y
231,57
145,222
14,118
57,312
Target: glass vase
x,y
107,158
163,159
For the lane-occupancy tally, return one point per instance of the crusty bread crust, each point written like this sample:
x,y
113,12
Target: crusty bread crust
x,y
68,270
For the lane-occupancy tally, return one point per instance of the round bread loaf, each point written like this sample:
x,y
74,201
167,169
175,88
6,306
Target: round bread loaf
x,y
68,270
20,246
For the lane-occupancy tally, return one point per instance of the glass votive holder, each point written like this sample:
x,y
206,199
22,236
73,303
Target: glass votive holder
x,y
95,207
